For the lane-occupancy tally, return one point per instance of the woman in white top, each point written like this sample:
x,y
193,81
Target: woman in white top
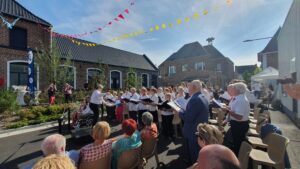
x,y
133,107
142,106
238,111
153,106
96,100
167,118
110,107
161,95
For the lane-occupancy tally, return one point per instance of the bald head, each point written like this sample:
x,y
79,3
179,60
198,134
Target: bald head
x,y
217,157
194,87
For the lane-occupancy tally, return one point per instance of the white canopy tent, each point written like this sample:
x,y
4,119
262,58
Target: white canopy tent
x,y
269,73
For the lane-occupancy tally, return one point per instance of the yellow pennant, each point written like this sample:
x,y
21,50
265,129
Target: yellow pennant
x,y
151,29
178,21
196,15
163,26
187,19
157,27
170,25
205,12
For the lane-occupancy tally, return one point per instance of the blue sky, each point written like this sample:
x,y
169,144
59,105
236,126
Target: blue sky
x,y
230,25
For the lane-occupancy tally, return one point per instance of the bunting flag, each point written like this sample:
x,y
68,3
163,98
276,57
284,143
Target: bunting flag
x,y
155,28
120,16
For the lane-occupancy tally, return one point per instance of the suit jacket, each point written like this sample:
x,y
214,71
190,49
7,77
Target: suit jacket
x,y
196,112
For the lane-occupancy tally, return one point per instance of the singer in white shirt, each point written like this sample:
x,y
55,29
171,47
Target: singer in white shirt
x,y
96,100
133,108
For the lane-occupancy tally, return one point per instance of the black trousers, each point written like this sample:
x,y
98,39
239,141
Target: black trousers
x,y
168,130
155,116
111,112
140,117
95,109
239,131
133,115
68,98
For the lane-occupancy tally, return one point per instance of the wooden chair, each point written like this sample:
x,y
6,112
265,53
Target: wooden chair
x,y
130,159
255,115
104,162
149,149
244,155
274,157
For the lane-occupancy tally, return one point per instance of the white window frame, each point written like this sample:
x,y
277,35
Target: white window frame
x,y
74,69
169,72
202,68
22,61
220,67
87,73
148,79
121,78
186,69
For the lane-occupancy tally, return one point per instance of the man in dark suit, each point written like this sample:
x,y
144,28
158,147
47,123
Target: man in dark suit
x,y
196,112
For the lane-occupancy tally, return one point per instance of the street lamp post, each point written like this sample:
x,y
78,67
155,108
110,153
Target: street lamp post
x,y
251,40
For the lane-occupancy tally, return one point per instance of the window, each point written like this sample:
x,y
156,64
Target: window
x,y
154,80
172,70
219,67
115,79
92,75
18,74
18,38
145,80
199,66
184,67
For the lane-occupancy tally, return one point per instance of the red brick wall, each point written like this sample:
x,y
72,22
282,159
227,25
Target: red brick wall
x,y
35,37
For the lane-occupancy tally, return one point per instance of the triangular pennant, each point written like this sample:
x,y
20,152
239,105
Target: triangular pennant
x,y
178,21
187,19
205,12
163,26
126,11
121,16
157,27
196,15
151,29
136,33
99,29
116,19
109,23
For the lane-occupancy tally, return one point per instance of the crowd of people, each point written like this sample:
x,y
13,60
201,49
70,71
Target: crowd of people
x,y
144,114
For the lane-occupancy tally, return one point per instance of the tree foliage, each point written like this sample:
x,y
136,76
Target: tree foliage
x,y
247,75
132,80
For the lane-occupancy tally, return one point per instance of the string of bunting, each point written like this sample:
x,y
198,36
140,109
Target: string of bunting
x,y
121,16
157,27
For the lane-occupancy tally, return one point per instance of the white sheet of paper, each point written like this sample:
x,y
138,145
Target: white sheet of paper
x,y
174,106
182,103
218,103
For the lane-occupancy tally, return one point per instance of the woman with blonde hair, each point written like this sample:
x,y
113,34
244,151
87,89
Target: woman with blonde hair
x,y
101,147
54,162
208,134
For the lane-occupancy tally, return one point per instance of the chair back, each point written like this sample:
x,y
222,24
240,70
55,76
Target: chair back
x,y
277,147
104,162
149,148
256,112
244,155
261,120
130,159
221,116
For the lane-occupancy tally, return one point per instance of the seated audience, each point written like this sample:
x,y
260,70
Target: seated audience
x,y
56,144
54,162
101,147
207,134
217,157
150,129
131,140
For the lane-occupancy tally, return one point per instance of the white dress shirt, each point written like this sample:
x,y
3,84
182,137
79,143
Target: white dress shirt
x,y
162,96
241,106
96,97
132,106
154,98
142,106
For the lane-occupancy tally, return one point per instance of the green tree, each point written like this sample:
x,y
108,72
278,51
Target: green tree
x,y
247,75
257,70
132,80
50,61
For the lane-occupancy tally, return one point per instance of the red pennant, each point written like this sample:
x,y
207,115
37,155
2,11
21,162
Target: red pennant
x,y
126,11
116,19
99,29
109,23
121,16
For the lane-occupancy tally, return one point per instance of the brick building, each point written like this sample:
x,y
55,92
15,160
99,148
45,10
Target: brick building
x,y
194,61
269,55
14,43
30,32
86,64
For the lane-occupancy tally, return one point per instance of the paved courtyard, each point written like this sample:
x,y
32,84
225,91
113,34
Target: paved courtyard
x,y
20,150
